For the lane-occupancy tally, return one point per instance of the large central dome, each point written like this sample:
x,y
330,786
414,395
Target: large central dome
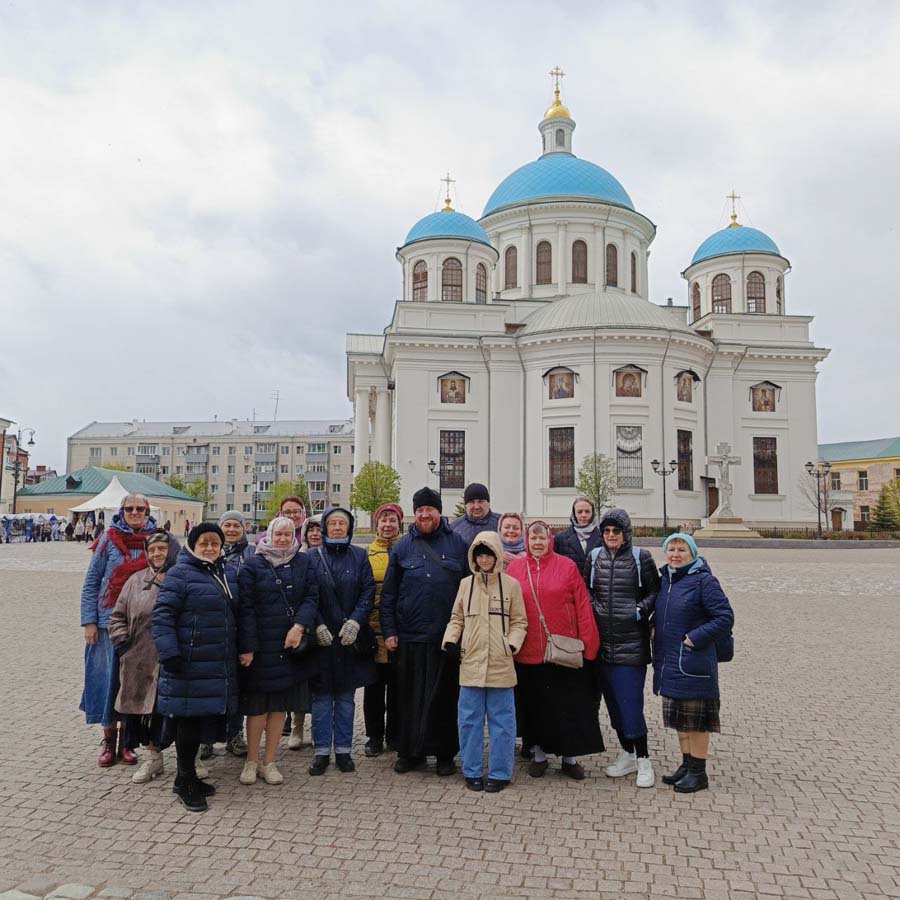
x,y
557,176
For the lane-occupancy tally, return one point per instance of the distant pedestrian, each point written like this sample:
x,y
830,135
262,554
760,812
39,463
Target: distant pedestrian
x,y
167,526
79,530
187,527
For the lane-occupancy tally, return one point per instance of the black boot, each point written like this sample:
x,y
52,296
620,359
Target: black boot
x,y
680,772
185,788
695,779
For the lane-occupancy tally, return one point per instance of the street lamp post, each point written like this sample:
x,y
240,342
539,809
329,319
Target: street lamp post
x,y
664,471
30,432
432,465
819,470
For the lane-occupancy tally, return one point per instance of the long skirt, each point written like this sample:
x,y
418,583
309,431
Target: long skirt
x,y
101,681
427,694
260,703
557,709
142,730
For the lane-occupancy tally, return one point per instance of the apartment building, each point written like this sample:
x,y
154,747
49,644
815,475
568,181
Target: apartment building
x,y
240,460
859,470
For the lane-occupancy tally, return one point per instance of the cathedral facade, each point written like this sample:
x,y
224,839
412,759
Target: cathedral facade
x,y
526,341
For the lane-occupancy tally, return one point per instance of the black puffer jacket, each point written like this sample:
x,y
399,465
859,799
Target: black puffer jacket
x,y
616,598
264,620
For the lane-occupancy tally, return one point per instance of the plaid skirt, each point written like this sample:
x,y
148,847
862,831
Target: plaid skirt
x,y
691,715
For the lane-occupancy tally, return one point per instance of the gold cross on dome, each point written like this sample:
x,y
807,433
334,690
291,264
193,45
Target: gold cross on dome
x,y
556,73
733,197
447,180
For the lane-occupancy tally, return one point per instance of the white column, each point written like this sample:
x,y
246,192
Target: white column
x,y
382,426
360,429
561,267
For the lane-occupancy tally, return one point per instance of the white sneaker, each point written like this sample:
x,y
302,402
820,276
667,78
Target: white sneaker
x,y
295,741
270,773
624,765
149,768
645,776
202,771
248,773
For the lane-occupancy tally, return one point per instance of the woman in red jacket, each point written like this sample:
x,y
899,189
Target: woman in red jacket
x,y
556,706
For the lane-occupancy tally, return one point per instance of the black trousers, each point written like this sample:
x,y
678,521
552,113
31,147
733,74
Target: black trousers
x,y
380,702
188,735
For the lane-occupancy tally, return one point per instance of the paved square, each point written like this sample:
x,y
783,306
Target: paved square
x,y
805,798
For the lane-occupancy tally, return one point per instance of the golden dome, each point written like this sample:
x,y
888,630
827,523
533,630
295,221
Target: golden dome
x,y
557,109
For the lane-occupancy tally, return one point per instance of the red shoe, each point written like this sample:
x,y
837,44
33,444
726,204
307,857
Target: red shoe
x,y
108,753
126,756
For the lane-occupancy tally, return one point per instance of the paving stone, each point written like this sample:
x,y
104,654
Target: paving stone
x,y
72,891
115,892
18,895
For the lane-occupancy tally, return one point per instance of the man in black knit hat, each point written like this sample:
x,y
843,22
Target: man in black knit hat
x,y
478,515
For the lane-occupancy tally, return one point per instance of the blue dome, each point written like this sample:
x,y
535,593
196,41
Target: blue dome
x,y
447,224
558,175
735,239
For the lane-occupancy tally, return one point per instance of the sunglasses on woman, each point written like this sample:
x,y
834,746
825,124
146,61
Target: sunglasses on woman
x,y
135,508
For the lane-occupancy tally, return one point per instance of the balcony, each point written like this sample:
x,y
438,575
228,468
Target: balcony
x,y
192,477
196,456
147,459
316,457
265,458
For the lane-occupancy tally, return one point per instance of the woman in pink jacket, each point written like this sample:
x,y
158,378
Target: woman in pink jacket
x,y
556,704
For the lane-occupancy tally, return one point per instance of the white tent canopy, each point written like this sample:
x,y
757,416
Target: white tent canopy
x,y
110,501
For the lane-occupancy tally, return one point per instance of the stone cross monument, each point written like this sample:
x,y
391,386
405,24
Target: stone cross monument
x,y
724,460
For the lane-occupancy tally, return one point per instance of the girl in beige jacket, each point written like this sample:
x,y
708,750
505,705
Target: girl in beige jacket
x,y
487,627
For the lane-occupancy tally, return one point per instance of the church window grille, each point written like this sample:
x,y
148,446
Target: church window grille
x,y
544,263
629,456
633,272
420,281
695,301
612,265
685,460
721,294
562,457
756,293
560,137
579,262
765,465
511,268
779,301
452,280
481,283
453,459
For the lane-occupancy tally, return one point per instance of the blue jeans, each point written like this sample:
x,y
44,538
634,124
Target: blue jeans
x,y
332,722
623,691
499,706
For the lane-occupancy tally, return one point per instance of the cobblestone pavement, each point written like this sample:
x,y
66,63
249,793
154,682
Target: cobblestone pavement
x,y
805,798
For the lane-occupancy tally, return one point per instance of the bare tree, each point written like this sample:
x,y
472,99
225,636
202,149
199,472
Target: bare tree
x,y
818,494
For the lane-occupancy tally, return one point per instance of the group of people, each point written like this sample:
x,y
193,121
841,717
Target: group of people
x,y
446,627
35,529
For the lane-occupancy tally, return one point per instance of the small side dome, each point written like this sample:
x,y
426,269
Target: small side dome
x,y
735,239
447,224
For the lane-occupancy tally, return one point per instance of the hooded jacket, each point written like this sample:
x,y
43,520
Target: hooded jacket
x,y
567,543
691,603
617,599
420,584
488,621
467,528
564,601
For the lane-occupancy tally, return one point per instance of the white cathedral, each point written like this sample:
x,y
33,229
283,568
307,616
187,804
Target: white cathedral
x,y
527,340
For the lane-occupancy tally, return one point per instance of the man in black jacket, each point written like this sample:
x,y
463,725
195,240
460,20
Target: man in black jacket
x,y
624,582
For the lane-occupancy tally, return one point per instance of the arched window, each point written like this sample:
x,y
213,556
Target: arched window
x,y
560,138
452,280
579,262
511,267
756,293
544,263
420,280
721,294
612,266
695,301
633,272
779,300
481,283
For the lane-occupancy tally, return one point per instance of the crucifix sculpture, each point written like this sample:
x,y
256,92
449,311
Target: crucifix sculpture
x,y
724,460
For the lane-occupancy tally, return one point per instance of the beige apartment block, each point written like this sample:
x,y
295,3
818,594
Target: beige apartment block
x,y
860,469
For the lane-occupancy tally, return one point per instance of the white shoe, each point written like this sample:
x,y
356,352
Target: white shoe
x,y
248,773
295,741
149,768
624,765
270,773
202,771
645,776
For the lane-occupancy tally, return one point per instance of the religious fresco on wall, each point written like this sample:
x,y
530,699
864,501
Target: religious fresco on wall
x,y
453,389
763,397
562,386
628,383
685,388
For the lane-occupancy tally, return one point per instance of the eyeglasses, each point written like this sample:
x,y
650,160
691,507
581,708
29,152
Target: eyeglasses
x,y
292,513
612,530
135,508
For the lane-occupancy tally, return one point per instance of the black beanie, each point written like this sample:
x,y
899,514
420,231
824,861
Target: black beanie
x,y
476,491
427,497
204,528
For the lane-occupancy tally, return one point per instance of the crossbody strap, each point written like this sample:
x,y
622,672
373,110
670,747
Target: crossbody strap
x,y
433,554
537,603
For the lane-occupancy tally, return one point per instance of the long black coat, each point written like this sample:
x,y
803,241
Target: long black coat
x,y
195,619
346,591
267,612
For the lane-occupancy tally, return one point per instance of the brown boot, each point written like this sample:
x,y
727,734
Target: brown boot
x,y
108,753
125,755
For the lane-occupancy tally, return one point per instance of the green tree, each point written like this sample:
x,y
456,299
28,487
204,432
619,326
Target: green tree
x,y
460,509
884,516
597,480
118,467
282,489
199,490
177,482
374,485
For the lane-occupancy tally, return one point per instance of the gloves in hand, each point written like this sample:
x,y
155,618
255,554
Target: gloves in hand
x,y
324,638
452,650
174,665
349,632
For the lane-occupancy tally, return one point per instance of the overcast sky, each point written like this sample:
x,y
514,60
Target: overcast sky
x,y
198,199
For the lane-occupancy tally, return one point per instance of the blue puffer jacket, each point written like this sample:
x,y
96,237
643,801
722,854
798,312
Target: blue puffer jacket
x,y
195,618
690,603
468,529
418,593
265,617
106,558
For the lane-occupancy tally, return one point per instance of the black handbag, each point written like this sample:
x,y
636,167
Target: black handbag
x,y
725,648
305,643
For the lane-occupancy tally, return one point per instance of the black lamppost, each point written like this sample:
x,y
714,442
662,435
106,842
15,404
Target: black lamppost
x,y
665,472
819,470
30,432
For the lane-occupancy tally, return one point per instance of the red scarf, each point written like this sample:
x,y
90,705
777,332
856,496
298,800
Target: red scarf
x,y
125,542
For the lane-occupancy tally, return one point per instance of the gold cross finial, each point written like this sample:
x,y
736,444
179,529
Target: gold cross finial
x,y
556,73
447,180
733,197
